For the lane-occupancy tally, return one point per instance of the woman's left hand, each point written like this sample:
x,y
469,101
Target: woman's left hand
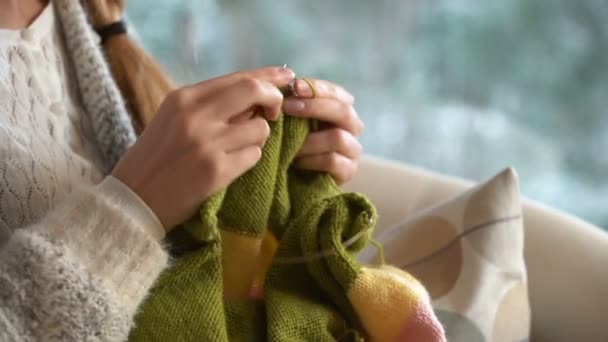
x,y
334,148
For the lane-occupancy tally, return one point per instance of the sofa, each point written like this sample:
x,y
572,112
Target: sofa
x,y
566,257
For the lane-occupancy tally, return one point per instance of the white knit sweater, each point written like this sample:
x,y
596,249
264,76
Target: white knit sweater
x,y
78,252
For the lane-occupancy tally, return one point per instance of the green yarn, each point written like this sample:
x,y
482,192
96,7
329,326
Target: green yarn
x,y
380,248
308,214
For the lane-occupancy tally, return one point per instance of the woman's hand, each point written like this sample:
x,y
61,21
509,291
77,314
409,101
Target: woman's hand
x,y
201,140
335,148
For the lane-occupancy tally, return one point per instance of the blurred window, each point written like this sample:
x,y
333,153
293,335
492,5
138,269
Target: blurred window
x,y
464,87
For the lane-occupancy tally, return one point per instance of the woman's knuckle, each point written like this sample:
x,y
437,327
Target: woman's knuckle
x,y
252,85
276,72
321,87
348,97
340,176
332,90
200,154
256,153
352,120
264,128
344,116
278,96
180,99
339,138
360,126
351,98
334,161
260,130
351,112
358,149
244,74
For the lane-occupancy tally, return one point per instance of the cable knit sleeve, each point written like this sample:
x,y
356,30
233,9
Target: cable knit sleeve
x,y
81,271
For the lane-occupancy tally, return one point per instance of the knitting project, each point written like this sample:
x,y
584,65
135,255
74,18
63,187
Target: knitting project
x,y
272,258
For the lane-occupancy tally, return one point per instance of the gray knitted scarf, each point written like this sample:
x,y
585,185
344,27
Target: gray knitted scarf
x,y
100,95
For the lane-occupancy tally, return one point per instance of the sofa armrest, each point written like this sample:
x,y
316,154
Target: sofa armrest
x,y
567,261
567,258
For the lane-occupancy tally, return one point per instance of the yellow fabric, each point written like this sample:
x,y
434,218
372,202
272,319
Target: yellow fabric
x,y
240,258
384,299
270,244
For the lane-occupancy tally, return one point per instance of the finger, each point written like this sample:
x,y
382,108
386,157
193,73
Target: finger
x,y
277,76
322,89
333,111
242,160
337,165
331,140
243,96
248,114
251,132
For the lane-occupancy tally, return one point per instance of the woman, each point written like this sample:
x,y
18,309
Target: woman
x,y
83,206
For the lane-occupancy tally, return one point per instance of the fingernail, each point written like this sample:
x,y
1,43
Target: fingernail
x,y
303,89
293,105
287,72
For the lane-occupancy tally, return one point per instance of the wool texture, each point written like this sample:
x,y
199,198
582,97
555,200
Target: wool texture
x,y
105,106
78,253
266,260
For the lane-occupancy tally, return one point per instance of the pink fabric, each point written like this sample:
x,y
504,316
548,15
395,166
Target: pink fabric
x,y
423,326
256,292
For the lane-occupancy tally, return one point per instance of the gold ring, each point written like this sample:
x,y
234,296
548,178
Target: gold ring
x,y
311,86
313,124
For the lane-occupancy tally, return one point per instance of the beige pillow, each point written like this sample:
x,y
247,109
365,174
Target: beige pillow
x,y
468,252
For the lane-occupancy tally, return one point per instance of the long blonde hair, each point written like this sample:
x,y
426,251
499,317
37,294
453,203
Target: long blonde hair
x,y
140,78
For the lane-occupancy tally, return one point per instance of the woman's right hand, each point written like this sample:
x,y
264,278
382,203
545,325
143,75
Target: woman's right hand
x,y
198,142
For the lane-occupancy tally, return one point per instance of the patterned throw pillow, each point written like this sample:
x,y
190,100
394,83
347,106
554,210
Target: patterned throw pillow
x,y
469,254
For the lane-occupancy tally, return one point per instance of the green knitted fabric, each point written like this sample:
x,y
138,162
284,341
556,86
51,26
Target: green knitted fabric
x,y
305,288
